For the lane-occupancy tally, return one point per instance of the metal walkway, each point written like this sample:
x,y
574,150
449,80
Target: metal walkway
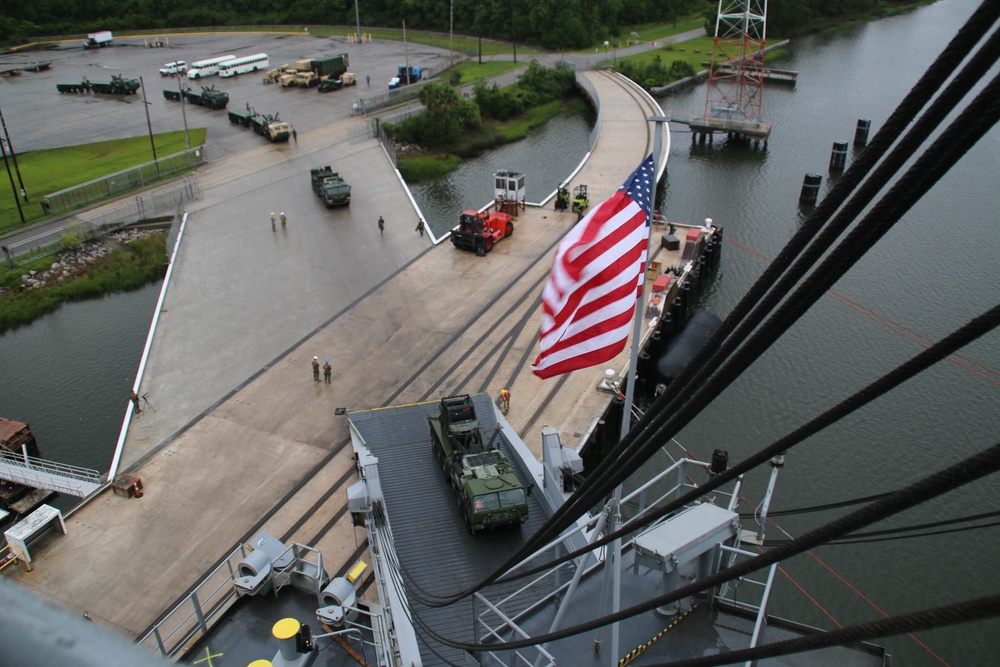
x,y
42,474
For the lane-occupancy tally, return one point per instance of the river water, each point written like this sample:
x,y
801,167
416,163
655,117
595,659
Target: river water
x,y
931,274
69,373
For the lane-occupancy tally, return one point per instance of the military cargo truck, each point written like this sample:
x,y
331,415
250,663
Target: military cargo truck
x,y
330,187
269,127
489,493
331,67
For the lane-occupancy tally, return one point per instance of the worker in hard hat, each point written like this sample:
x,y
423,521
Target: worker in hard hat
x,y
283,219
273,228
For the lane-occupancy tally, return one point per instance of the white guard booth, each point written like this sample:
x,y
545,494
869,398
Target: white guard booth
x,y
23,531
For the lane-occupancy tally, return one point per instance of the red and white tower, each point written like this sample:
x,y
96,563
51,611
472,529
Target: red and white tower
x,y
736,81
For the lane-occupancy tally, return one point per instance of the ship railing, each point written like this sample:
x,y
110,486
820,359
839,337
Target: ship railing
x,y
497,623
728,592
532,655
191,619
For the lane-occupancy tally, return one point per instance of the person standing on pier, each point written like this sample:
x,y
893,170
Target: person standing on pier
x,y
134,397
315,365
504,401
381,226
420,227
327,370
283,219
273,228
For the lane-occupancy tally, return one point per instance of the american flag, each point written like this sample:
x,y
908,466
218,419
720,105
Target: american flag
x,y
597,276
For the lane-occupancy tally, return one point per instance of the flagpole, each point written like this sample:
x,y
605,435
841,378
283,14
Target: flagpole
x,y
614,506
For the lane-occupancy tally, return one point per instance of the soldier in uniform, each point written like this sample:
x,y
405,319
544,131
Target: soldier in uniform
x,y
273,228
283,219
327,369
381,226
315,365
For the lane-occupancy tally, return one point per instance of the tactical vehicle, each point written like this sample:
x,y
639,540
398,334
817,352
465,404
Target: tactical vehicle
x,y
330,187
480,231
488,491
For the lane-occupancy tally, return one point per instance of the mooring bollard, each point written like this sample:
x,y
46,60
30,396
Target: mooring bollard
x,y
810,189
861,132
838,158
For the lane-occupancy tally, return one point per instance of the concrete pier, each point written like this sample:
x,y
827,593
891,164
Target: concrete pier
x,y
242,438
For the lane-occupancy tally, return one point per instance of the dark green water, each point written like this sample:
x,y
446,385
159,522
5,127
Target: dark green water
x,y
931,274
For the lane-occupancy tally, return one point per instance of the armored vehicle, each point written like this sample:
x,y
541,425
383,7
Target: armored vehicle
x,y
488,491
330,187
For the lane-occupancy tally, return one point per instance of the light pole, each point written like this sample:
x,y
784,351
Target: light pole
x,y
13,156
13,189
187,139
513,43
479,29
357,17
149,124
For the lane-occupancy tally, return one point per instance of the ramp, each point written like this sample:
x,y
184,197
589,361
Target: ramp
x,y
42,474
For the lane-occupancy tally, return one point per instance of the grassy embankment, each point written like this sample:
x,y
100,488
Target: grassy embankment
x,y
426,166
142,261
51,170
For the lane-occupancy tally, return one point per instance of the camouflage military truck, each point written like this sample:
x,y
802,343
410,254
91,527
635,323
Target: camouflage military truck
x,y
489,493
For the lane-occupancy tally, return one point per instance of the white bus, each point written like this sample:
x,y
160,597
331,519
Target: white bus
x,y
204,68
243,65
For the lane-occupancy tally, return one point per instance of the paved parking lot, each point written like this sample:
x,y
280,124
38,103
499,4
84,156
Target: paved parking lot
x,y
39,117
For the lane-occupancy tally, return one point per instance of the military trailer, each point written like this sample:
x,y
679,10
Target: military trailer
x,y
242,116
208,97
489,493
330,187
119,85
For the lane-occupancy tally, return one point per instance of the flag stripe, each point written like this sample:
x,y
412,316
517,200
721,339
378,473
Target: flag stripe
x,y
597,276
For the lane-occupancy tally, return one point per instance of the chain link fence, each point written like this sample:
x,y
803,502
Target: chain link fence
x,y
122,181
150,205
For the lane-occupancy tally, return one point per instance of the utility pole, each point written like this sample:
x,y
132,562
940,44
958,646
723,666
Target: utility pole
x,y
513,42
479,29
13,156
357,17
13,189
149,124
406,55
451,33
187,138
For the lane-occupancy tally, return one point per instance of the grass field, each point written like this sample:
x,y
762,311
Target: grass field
x,y
55,169
471,70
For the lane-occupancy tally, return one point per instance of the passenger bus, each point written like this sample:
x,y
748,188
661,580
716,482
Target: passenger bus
x,y
204,68
243,65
